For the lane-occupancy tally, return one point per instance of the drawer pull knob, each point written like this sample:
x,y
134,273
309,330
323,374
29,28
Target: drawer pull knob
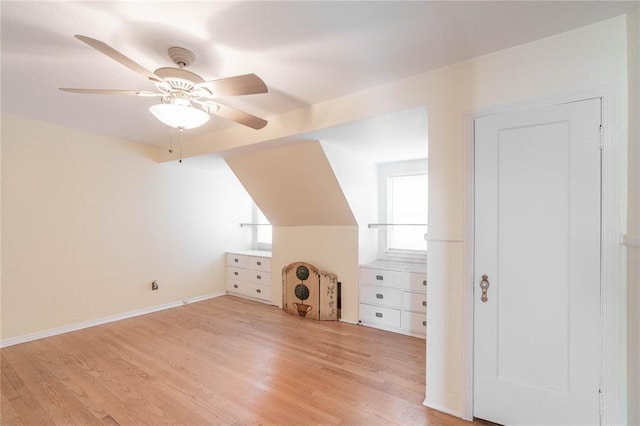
x,y
424,323
235,260
424,303
235,273
378,315
259,263
424,283
258,290
379,277
235,286
258,277
379,296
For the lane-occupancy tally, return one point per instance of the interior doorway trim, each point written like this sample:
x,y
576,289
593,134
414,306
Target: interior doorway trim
x,y
613,307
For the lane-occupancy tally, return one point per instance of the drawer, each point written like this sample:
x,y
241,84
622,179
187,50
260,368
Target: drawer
x,y
414,322
418,281
236,260
384,277
238,287
377,315
257,277
236,273
259,263
416,302
381,296
259,291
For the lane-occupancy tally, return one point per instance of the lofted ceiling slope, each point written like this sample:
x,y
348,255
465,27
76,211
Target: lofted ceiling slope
x,y
293,185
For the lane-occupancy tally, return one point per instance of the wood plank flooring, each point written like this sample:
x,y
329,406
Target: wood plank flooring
x,y
222,361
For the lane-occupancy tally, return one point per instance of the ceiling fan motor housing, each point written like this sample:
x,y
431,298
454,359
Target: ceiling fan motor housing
x,y
181,57
178,79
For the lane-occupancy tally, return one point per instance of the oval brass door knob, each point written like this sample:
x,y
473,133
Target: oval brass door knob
x,y
484,285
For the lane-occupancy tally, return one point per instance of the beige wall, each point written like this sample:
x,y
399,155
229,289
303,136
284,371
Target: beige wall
x,y
329,248
88,222
293,185
359,181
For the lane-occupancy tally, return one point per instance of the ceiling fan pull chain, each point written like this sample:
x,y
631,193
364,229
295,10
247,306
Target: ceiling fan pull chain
x,y
180,132
170,141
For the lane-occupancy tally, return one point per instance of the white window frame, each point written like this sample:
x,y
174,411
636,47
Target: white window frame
x,y
385,171
258,245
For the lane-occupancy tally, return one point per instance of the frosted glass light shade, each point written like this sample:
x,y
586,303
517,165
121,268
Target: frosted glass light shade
x,y
179,116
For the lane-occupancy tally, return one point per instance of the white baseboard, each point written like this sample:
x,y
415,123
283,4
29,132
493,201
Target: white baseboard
x,y
443,401
348,321
104,320
195,299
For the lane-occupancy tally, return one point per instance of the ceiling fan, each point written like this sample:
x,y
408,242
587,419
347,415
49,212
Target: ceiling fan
x,y
186,98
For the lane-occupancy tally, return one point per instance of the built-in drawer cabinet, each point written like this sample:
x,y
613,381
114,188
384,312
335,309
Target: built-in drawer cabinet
x,y
379,315
393,297
418,281
414,322
414,302
249,274
259,291
259,277
237,260
384,296
259,263
238,287
238,274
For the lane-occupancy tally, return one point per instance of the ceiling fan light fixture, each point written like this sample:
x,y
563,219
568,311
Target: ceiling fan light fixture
x,y
179,116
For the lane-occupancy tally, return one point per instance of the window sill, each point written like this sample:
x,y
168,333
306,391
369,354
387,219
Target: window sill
x,y
410,256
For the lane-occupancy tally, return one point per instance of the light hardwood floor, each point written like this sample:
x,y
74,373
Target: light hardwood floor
x,y
221,361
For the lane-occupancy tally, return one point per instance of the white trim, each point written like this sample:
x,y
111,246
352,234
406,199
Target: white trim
x,y
614,307
434,395
104,320
613,303
450,238
195,299
467,273
631,240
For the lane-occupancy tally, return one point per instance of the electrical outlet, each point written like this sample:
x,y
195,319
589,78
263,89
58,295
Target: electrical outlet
x,y
154,285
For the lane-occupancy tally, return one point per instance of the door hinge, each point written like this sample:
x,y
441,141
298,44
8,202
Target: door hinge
x,y
601,137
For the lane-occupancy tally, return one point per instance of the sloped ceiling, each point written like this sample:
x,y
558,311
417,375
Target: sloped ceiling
x,y
293,185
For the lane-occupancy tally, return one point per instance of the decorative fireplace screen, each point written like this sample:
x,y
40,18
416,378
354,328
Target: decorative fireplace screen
x,y
309,292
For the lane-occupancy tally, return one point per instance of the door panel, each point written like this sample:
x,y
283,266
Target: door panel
x,y
537,222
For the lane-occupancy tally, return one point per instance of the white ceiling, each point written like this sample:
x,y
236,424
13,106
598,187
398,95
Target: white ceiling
x,y
402,135
306,52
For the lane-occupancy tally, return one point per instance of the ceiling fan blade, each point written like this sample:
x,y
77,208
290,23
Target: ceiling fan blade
x,y
114,54
247,84
236,115
111,92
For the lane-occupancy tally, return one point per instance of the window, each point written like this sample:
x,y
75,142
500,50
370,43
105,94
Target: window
x,y
407,205
262,232
403,197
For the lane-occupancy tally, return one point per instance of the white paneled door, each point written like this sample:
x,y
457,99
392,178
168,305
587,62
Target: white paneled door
x,y
537,339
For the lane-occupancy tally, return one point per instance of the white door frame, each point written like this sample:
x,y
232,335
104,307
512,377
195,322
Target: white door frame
x,y
613,306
